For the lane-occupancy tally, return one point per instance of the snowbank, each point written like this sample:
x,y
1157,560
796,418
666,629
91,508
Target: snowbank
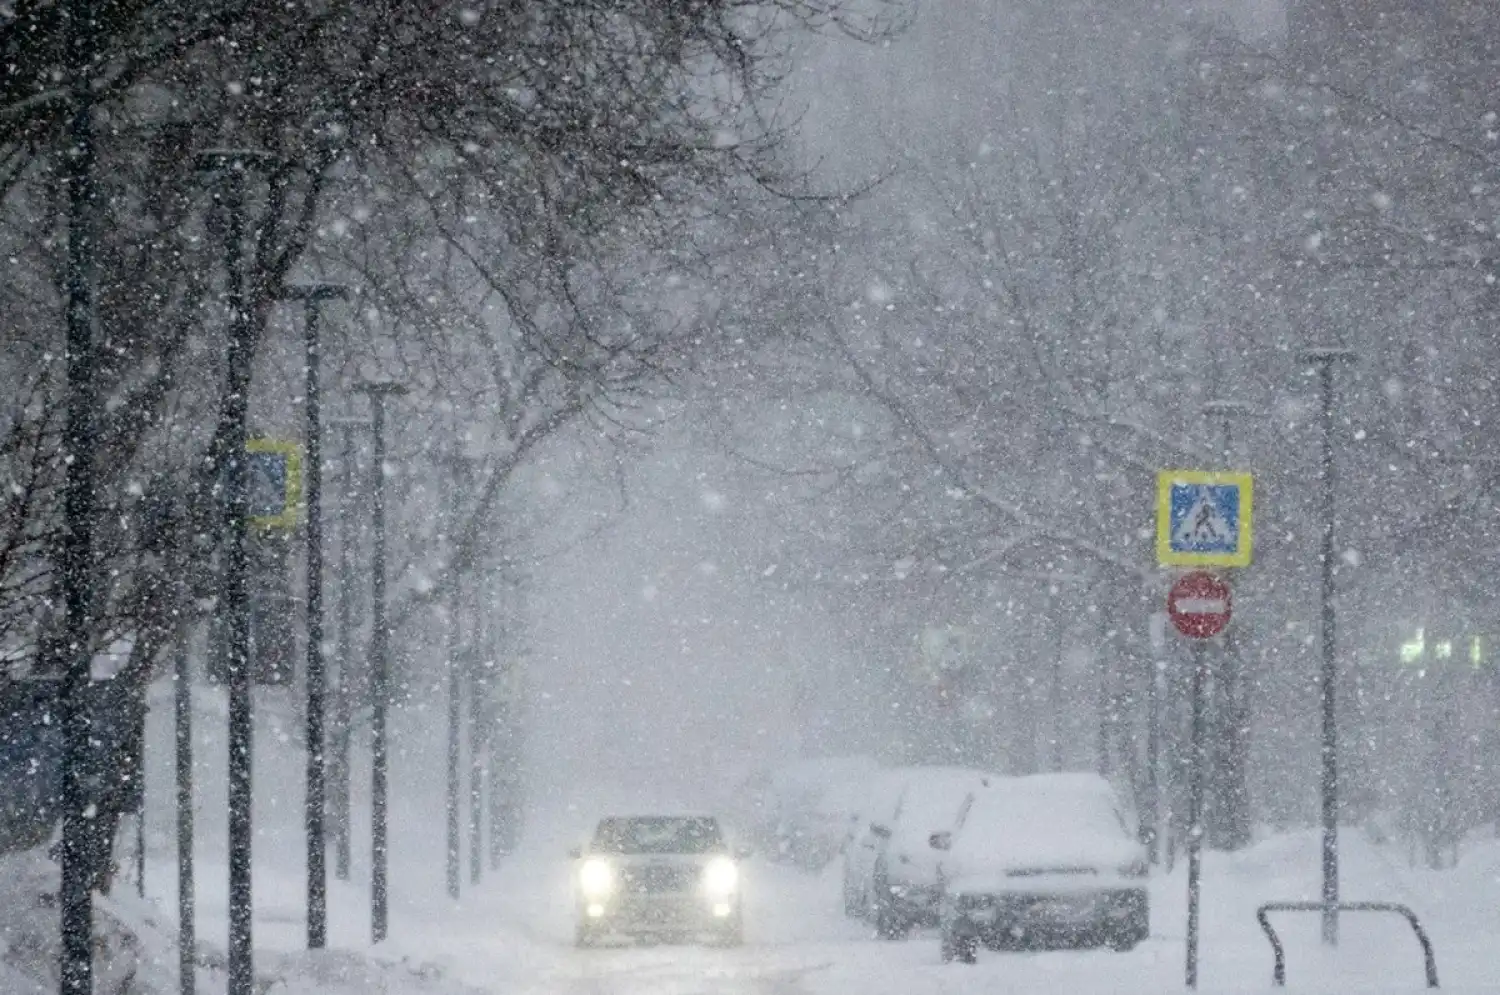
x,y
136,949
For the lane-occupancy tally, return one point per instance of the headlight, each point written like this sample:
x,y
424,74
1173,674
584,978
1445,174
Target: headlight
x,y
721,876
596,878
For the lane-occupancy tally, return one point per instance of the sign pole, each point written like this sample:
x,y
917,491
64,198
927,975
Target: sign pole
x,y
1203,519
1200,606
1198,748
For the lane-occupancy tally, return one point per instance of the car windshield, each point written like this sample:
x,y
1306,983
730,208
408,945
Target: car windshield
x,y
658,834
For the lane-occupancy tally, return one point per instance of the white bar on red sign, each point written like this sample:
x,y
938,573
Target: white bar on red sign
x,y
1202,606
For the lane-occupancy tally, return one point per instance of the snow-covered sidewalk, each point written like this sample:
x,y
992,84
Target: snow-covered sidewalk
x,y
136,950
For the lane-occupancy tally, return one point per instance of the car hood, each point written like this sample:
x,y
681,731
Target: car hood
x,y
1018,859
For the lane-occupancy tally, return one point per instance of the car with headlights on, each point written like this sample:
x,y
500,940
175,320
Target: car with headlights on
x,y
1044,859
669,877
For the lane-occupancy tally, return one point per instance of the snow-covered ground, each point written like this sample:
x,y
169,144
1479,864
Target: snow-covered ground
x,y
513,932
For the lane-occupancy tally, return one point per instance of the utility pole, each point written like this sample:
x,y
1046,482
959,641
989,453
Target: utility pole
x,y
312,296
343,696
75,903
1324,359
380,669
230,166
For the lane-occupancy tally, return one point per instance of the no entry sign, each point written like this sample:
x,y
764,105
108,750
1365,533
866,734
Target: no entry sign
x,y
1199,605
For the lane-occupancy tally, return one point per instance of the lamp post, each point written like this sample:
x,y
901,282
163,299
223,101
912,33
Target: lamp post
x,y
459,466
75,901
479,740
1325,359
502,780
312,296
182,713
343,696
380,667
230,166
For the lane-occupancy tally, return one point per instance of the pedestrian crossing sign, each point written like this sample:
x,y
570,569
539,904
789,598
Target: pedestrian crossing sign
x,y
1203,518
273,482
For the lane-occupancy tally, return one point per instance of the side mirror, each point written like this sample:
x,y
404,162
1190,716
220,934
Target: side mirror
x,y
576,852
940,841
883,832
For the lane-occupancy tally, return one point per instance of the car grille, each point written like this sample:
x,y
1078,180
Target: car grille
x,y
661,878
1036,872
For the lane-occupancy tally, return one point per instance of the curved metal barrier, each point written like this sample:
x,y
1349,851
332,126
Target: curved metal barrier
x,y
1278,976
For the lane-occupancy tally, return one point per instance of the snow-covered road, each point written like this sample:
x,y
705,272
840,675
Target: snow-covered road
x,y
513,935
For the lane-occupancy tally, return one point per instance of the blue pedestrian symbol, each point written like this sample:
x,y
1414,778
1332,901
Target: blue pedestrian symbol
x,y
266,473
1205,518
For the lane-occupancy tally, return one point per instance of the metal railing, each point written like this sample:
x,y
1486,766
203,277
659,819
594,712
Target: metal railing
x,y
1278,977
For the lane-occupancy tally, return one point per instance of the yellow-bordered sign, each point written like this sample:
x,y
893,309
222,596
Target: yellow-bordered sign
x,y
273,472
1204,518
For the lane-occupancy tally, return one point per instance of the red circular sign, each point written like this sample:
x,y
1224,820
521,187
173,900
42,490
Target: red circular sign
x,y
1199,605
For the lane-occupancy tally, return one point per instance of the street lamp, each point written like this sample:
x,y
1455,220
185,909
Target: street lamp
x,y
459,466
312,296
380,667
1325,359
76,551
230,166
343,698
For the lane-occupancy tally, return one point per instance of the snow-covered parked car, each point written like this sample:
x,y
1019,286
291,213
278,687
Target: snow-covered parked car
x,y
905,884
1044,859
878,811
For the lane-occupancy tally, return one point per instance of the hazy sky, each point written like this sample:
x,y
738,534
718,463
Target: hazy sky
x,y
667,657
665,660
